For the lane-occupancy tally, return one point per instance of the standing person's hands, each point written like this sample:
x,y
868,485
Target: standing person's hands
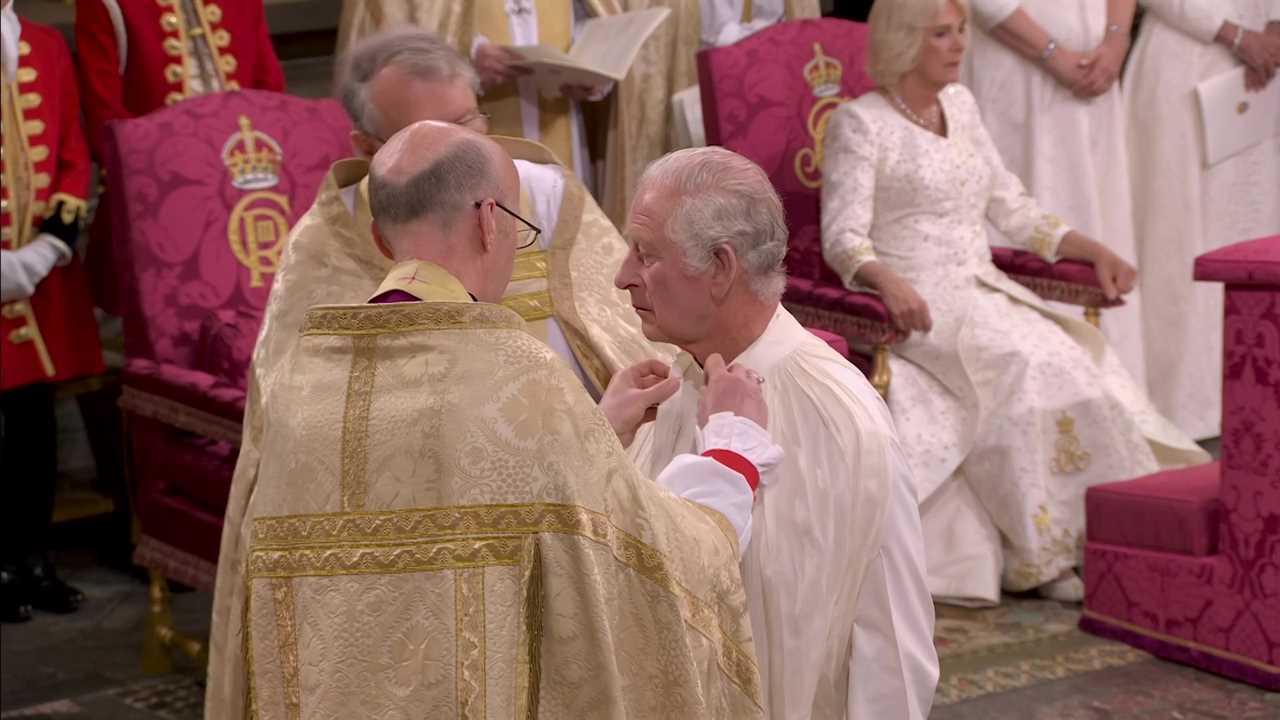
x,y
1260,53
496,64
1103,65
1069,68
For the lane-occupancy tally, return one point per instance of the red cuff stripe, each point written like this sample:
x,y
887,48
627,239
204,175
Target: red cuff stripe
x,y
736,463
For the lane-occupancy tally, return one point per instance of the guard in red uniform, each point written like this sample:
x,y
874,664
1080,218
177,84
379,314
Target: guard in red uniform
x,y
136,56
47,329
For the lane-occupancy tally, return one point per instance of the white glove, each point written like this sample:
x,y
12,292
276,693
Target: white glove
x,y
22,270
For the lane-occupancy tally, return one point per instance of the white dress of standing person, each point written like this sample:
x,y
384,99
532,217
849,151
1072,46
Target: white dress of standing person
x,y
1044,74
1007,409
1184,205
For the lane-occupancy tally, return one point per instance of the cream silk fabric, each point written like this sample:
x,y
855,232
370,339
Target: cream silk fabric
x,y
457,533
1182,208
835,569
330,257
1008,411
1070,153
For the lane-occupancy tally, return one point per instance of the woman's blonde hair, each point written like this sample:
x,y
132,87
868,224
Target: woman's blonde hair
x,y
897,32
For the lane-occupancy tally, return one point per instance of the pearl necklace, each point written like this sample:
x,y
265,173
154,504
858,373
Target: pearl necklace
x,y
931,125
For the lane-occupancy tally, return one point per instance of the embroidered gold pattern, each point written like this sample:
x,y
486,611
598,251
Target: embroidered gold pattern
x,y
26,74
355,423
28,101
39,153
531,306
529,649
530,266
384,319
256,231
287,643
823,73
1056,552
1069,457
23,48
418,540
33,127
73,208
1044,238
468,599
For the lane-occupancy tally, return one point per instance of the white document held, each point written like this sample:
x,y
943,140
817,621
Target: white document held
x,y
603,53
1235,120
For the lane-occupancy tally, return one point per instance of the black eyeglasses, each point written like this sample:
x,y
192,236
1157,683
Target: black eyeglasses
x,y
528,234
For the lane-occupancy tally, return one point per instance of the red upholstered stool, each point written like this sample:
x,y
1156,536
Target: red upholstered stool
x,y
1175,511
1186,564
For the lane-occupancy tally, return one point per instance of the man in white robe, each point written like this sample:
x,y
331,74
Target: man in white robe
x,y
835,572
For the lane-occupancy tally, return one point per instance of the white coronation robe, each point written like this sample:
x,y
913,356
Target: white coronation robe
x,y
834,573
1069,153
1008,410
1183,209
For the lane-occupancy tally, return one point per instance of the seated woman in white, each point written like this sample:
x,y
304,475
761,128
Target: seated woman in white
x,y
1007,410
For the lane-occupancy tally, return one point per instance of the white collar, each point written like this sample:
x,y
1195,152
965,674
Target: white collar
x,y
780,338
11,29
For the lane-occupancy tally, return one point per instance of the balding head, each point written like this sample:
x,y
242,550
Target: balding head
x,y
433,189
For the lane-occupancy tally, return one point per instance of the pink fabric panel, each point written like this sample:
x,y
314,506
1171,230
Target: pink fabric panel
x,y
173,208
1253,262
757,100
196,389
836,342
1176,511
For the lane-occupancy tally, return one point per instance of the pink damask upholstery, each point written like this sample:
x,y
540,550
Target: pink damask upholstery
x,y
203,196
769,97
1220,611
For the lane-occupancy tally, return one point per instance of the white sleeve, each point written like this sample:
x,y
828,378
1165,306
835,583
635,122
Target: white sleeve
x,y
1201,19
990,13
709,483
894,672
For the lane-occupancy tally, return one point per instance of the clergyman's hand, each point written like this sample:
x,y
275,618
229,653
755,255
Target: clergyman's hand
x,y
737,389
496,65
634,394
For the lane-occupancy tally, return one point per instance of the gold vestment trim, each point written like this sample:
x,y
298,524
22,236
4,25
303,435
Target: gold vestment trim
x,y
469,614
407,317
287,644
529,649
532,306
530,266
420,540
355,423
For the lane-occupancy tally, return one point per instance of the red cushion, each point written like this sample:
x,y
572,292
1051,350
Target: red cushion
x,y
1174,511
193,388
1255,262
836,298
836,342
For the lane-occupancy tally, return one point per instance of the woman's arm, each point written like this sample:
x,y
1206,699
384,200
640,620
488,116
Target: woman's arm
x,y
1106,60
1018,31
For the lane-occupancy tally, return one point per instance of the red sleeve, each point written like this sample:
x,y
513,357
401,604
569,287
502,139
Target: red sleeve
x,y
267,74
73,152
99,65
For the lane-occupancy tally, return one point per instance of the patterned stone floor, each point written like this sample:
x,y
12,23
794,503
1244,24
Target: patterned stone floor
x,y
1023,660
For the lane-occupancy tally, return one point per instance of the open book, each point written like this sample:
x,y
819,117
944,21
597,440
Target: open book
x,y
603,53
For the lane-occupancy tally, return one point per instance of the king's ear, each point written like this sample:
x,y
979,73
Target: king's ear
x,y
724,269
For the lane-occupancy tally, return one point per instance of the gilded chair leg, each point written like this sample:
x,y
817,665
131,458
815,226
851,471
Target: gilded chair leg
x,y
1093,316
880,371
161,638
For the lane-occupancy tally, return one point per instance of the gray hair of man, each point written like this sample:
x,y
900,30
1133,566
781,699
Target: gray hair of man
x,y
440,192
421,54
718,196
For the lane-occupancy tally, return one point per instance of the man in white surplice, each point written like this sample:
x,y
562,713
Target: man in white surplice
x,y
835,571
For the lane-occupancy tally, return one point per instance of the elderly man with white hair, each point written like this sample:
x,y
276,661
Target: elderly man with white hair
x,y
835,572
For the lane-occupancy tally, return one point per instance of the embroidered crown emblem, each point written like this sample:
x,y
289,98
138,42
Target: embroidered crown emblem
x,y
252,158
823,73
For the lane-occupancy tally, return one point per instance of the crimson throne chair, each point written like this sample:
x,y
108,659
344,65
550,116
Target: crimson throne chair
x,y
204,194
769,97
1186,563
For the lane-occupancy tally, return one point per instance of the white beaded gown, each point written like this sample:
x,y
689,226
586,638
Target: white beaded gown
x,y
1008,410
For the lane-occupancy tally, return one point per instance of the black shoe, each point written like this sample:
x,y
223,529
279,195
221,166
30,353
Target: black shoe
x,y
49,593
14,603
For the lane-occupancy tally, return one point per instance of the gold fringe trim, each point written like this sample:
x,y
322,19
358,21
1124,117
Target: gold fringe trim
x,y
1189,644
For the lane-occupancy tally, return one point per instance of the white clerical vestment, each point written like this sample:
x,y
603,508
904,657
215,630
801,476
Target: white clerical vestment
x,y
835,572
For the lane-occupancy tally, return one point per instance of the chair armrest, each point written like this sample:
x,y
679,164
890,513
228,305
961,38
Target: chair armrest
x,y
1067,281
861,318
188,399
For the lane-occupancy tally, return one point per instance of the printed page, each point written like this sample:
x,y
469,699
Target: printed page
x,y
603,52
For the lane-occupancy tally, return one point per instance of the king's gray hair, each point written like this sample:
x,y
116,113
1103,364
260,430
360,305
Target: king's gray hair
x,y
717,196
423,55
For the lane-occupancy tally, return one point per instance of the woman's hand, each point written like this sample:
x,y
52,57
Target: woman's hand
x,y
1116,276
1260,52
1103,65
909,311
1069,68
